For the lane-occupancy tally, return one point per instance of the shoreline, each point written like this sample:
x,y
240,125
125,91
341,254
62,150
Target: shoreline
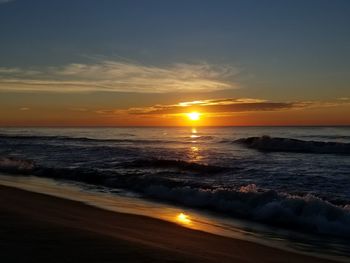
x,y
38,227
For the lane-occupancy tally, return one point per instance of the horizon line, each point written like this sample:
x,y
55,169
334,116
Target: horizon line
x,y
166,126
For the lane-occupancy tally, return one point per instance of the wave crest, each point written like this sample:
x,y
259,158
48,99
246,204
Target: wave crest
x,y
276,144
308,213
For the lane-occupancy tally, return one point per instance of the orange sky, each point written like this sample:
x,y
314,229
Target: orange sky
x,y
219,112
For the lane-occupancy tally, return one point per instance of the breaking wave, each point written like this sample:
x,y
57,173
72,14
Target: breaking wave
x,y
276,144
308,213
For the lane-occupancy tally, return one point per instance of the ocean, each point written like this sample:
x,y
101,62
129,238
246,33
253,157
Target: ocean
x,y
294,179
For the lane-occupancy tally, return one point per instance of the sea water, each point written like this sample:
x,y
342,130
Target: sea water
x,y
288,178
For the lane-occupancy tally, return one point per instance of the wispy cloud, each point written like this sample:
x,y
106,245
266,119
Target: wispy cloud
x,y
24,109
117,76
4,70
16,72
226,106
79,109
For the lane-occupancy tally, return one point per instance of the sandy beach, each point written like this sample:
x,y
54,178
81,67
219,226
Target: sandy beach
x,y
41,228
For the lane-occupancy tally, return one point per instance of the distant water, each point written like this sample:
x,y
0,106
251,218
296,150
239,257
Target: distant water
x,y
296,178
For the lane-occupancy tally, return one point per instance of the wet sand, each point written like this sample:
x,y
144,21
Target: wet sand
x,y
40,228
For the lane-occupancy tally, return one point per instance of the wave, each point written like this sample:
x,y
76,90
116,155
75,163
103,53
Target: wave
x,y
202,137
13,165
303,213
175,164
79,139
16,165
276,144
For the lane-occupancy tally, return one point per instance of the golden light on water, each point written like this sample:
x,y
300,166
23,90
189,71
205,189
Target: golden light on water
x,y
183,219
194,116
194,133
194,149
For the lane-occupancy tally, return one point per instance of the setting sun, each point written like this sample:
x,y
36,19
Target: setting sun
x,y
183,218
193,116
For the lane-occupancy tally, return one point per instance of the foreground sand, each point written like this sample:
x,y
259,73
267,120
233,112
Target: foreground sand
x,y
40,228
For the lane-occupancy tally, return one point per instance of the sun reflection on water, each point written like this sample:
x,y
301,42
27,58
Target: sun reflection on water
x,y
194,151
194,134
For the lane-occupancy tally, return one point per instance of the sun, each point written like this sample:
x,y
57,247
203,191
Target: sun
x,y
194,116
183,219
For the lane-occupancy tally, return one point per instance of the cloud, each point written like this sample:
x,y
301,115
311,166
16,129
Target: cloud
x,y
221,107
79,109
224,106
24,109
4,70
115,76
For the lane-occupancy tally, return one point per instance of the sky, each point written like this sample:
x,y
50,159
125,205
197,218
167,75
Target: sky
x,y
149,63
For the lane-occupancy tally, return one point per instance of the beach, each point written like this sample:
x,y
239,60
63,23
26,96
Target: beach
x,y
42,228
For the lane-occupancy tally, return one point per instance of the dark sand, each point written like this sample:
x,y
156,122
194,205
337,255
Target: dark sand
x,y
41,228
